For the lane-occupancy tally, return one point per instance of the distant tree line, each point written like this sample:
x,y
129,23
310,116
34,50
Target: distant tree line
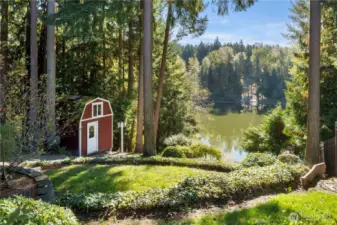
x,y
233,71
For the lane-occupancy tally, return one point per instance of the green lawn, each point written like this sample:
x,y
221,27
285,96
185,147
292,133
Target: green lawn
x,y
305,208
108,179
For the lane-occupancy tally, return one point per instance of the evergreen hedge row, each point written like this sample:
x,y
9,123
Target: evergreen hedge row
x,y
192,192
138,160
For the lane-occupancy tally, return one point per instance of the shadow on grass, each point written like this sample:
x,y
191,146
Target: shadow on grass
x,y
268,213
88,179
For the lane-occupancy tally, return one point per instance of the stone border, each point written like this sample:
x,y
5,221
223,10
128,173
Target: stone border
x,y
45,189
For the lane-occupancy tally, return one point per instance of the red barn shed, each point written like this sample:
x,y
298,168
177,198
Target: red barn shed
x,y
95,127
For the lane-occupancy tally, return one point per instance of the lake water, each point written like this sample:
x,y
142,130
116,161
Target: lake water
x,y
225,132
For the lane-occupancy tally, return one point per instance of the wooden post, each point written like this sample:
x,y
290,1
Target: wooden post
x,y
122,125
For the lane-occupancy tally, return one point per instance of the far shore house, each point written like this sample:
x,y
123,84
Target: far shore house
x,y
93,132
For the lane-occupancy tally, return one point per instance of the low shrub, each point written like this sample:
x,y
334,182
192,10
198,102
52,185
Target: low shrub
x,y
20,210
192,192
269,136
258,159
174,152
138,160
194,151
179,139
200,150
288,158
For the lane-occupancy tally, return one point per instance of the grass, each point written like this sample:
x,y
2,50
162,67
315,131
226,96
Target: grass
x,y
300,208
108,179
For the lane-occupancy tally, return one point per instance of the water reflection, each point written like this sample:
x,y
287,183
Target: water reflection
x,y
225,131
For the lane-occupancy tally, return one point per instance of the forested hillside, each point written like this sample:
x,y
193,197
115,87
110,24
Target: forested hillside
x,y
233,71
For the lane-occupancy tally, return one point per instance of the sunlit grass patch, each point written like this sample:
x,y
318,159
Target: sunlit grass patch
x,y
111,179
298,208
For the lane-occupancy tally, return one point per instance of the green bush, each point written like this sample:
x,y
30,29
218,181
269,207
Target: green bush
x,y
192,192
138,160
288,158
258,159
200,150
194,151
20,210
269,136
173,152
179,139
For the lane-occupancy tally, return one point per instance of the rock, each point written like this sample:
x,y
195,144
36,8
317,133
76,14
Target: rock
x,y
40,178
43,183
316,170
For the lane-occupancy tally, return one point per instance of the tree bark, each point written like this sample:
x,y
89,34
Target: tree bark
x,y
104,40
42,50
313,155
33,70
120,62
140,113
149,133
162,68
4,59
51,73
130,75
132,132
42,45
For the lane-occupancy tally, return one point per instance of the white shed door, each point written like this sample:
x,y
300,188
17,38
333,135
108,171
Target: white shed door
x,y
92,137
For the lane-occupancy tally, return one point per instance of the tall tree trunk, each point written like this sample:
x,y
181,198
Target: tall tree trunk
x,y
42,50
162,67
120,60
4,59
104,40
312,155
130,75
51,76
149,134
140,112
132,132
42,46
33,72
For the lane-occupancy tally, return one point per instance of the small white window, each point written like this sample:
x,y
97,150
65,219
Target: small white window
x,y
97,109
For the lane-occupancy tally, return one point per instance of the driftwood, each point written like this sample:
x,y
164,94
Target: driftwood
x,y
316,170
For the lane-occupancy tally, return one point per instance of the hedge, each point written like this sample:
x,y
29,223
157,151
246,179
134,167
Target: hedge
x,y
175,152
137,160
192,192
258,159
193,151
288,158
20,210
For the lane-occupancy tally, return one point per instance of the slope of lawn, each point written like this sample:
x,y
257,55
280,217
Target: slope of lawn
x,y
108,179
304,208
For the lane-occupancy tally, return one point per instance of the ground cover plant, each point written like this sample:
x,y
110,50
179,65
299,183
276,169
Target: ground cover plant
x,y
258,159
108,179
138,160
314,208
26,211
192,192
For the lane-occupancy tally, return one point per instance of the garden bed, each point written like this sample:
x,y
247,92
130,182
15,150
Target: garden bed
x,y
194,192
137,160
29,183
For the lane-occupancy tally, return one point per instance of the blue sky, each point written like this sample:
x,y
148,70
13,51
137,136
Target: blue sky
x,y
263,23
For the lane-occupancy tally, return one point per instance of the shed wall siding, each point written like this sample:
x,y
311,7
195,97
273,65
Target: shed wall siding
x,y
88,109
104,134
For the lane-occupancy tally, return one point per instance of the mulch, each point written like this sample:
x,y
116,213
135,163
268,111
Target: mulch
x,y
20,185
329,185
